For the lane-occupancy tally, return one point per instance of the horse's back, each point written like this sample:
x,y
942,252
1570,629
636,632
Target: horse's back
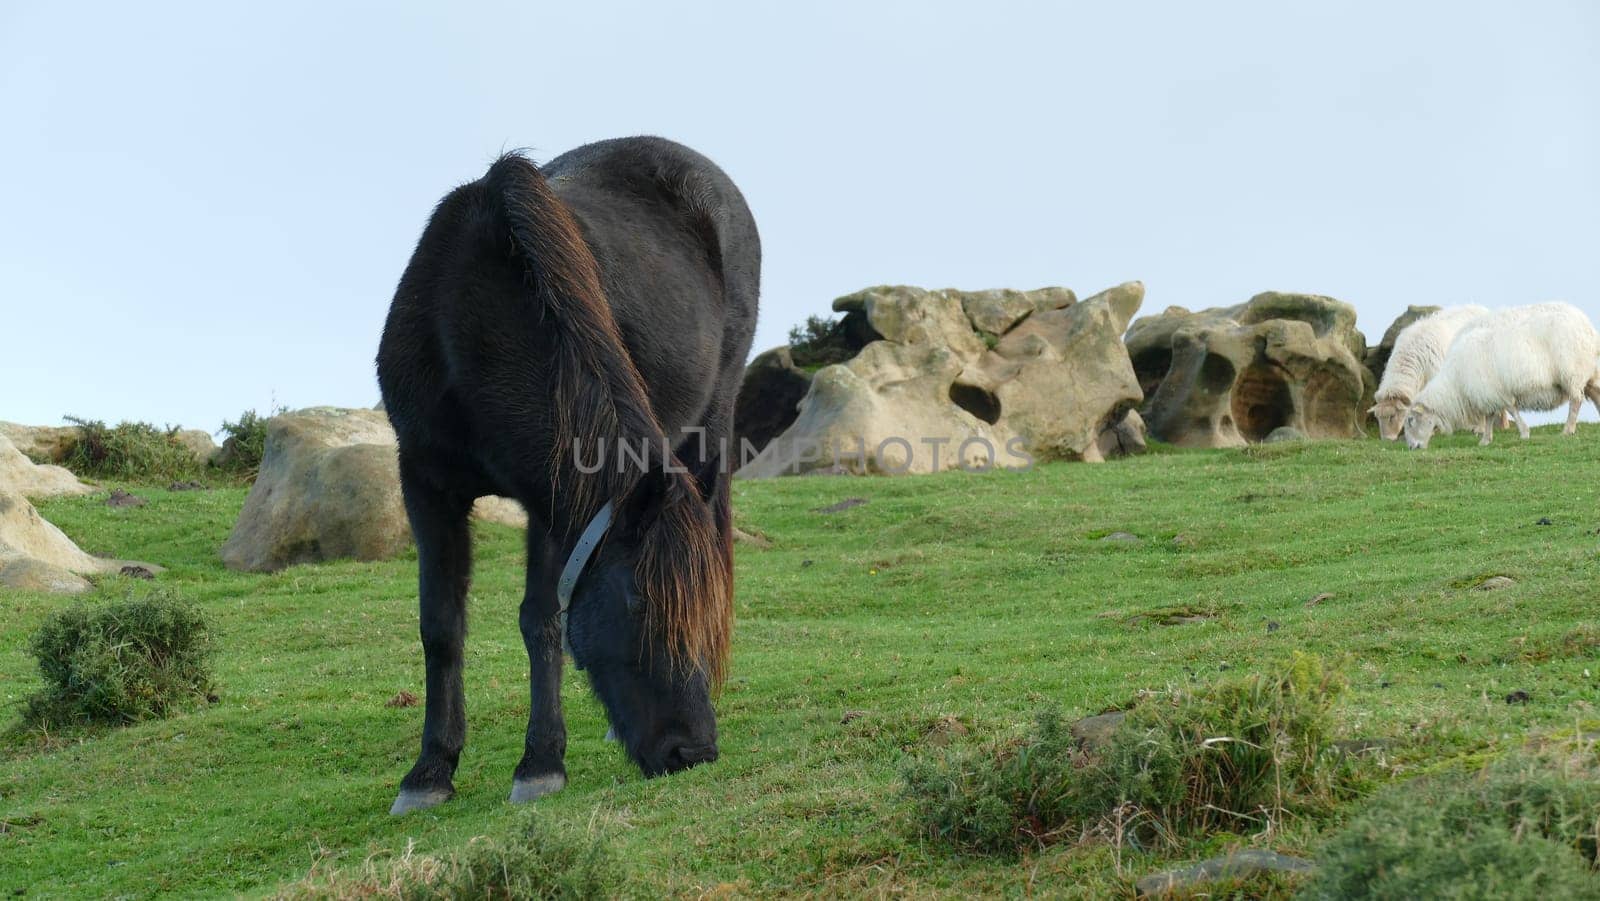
x,y
680,260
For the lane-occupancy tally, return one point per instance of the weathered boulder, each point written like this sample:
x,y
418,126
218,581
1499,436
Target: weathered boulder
x,y
1124,438
35,480
769,395
200,443
37,556
46,443
1228,377
1377,357
502,510
941,387
329,488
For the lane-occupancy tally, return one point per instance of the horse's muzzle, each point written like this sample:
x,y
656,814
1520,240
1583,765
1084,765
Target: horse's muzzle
x,y
675,756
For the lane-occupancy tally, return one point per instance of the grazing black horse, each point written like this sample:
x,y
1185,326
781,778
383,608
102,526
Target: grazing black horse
x,y
573,338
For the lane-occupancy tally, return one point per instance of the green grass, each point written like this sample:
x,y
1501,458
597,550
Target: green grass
x,y
942,614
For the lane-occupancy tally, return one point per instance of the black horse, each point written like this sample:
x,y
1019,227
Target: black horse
x,y
573,338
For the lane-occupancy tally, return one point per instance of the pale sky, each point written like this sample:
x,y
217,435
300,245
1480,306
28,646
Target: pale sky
x,y
206,207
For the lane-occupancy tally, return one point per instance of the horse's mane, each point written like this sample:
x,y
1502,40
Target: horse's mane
x,y
598,399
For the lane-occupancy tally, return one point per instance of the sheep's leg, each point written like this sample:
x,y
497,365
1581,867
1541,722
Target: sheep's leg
x,y
1592,390
1503,421
1573,407
1485,431
1522,426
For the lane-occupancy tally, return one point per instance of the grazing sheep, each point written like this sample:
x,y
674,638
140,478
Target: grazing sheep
x,y
1526,358
1418,351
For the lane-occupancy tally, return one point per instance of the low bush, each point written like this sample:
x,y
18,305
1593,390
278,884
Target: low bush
x,y
119,663
1241,753
539,860
130,450
246,442
1523,827
820,342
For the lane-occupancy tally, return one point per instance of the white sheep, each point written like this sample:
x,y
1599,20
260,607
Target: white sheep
x,y
1418,351
1525,358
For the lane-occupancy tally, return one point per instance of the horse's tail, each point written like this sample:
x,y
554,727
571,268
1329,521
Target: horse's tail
x,y
598,400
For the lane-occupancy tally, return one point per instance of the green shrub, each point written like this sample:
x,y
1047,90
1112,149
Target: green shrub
x,y
119,663
539,860
820,342
1241,753
130,450
246,442
1524,827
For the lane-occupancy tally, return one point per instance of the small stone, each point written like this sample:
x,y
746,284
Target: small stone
x,y
1495,583
186,486
943,729
1518,697
806,563
134,571
1092,733
1235,866
1544,521
754,539
846,504
1272,625
1123,537
120,498
1282,434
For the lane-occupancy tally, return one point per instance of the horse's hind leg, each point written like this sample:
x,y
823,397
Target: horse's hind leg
x,y
444,563
542,770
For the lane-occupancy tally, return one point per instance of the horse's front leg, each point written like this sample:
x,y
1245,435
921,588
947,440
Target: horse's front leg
x,y
444,566
543,769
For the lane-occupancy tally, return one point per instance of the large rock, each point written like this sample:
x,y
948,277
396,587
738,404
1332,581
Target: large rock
x,y
35,480
44,443
1231,376
769,397
37,556
200,443
329,488
1377,358
971,379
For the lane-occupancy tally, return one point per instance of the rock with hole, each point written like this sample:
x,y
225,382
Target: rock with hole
x,y
1233,376
968,379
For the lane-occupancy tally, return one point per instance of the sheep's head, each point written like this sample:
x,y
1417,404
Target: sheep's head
x,y
1391,415
1420,424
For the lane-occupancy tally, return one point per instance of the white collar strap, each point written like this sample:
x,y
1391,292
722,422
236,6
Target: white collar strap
x,y
578,560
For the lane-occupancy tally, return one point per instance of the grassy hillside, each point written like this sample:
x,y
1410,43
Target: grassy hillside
x,y
947,609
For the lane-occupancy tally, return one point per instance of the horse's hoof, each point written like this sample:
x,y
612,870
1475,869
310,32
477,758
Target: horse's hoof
x,y
419,799
534,787
611,734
